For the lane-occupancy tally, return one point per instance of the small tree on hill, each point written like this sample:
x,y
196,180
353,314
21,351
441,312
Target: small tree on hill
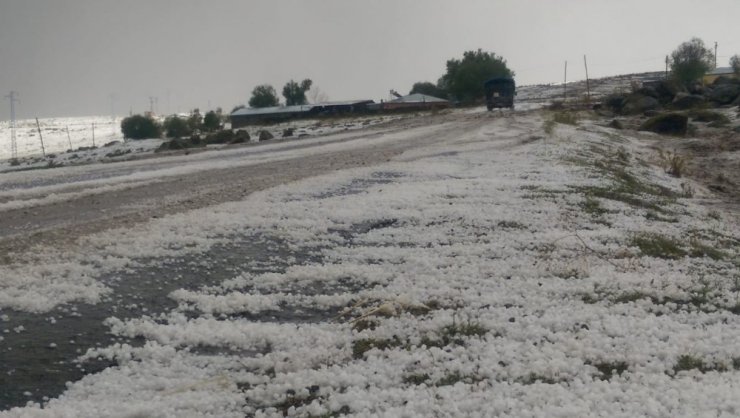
x,y
464,78
263,96
735,64
176,127
195,120
211,121
430,89
691,60
294,93
140,127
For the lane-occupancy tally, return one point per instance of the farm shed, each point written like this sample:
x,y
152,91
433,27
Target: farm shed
x,y
249,116
416,101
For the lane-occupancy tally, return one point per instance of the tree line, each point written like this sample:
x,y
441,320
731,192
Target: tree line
x,y
462,82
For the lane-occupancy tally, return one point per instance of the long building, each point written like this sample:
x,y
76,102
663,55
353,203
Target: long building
x,y
251,116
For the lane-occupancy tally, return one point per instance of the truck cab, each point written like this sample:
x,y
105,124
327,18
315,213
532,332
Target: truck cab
x,y
500,92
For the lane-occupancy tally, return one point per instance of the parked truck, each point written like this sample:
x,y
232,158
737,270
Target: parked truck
x,y
500,92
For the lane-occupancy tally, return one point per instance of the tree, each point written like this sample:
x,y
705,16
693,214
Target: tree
x,y
464,78
263,96
176,127
211,121
140,127
735,64
428,88
195,120
294,93
691,60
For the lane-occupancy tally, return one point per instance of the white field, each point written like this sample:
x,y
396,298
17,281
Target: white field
x,y
109,144
499,283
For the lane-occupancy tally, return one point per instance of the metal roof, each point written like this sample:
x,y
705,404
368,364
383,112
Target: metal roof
x,y
418,98
343,103
251,111
721,70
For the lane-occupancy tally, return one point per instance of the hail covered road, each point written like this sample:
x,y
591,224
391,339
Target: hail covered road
x,y
59,205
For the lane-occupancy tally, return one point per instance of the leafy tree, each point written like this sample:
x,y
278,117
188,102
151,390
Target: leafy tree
x,y
464,78
735,64
295,94
195,120
140,127
176,127
211,121
430,89
263,96
691,60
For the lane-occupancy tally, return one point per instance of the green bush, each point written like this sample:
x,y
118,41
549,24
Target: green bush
x,y
176,127
263,96
211,121
140,127
295,94
691,60
464,78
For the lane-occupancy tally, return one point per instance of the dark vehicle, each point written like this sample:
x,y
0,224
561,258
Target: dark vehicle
x,y
500,92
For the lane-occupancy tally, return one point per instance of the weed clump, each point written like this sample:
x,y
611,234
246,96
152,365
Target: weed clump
x,y
362,346
672,163
659,246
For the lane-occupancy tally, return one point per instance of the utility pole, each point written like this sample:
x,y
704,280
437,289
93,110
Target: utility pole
x,y
43,151
565,82
666,67
588,88
151,104
715,54
69,139
13,97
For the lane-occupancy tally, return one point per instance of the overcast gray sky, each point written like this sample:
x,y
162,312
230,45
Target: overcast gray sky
x,y
66,58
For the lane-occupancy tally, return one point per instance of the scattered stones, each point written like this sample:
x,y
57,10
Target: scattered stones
x,y
724,94
221,137
667,90
687,101
667,124
288,132
265,135
636,104
616,124
241,136
704,115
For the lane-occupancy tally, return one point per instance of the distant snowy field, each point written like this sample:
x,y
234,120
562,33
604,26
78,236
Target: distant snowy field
x,y
69,141
478,277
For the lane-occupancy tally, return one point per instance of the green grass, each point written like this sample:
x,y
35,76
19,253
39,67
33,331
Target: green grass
x,y
700,250
651,215
511,225
592,207
416,379
566,118
658,246
455,334
609,369
689,362
362,346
